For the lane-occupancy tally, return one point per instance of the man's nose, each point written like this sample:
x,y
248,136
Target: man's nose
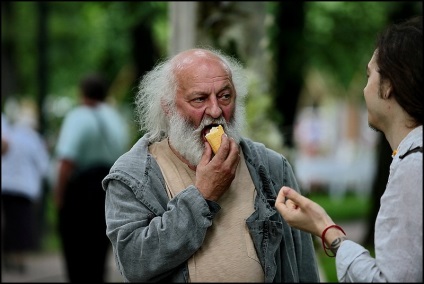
x,y
213,109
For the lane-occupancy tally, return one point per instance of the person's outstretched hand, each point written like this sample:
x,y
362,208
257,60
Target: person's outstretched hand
x,y
301,212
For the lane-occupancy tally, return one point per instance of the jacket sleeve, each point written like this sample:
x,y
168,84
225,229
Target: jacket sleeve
x,y
152,237
306,263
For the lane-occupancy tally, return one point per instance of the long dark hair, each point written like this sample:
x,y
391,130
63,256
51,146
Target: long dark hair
x,y
400,61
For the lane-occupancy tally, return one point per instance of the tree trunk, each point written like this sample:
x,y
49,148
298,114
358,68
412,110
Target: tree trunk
x,y
289,66
8,63
42,71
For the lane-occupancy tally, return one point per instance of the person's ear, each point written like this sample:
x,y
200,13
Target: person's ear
x,y
165,107
387,90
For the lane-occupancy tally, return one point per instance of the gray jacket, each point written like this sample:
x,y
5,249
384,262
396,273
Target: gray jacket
x,y
153,237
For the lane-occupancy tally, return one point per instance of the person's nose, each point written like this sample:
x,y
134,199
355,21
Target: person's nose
x,y
214,110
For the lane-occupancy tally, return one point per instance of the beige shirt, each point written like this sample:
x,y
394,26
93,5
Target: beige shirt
x,y
227,253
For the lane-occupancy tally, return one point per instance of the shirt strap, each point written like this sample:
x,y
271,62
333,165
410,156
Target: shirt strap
x,y
410,151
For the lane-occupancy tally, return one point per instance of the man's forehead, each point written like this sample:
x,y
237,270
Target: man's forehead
x,y
194,58
373,60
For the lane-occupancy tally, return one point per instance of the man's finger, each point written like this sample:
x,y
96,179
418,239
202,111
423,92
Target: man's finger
x,y
206,157
281,197
292,195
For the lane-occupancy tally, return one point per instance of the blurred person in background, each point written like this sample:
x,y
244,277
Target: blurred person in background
x,y
93,135
25,166
4,133
4,145
394,99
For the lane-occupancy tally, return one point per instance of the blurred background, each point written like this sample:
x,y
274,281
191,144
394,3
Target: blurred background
x,y
305,60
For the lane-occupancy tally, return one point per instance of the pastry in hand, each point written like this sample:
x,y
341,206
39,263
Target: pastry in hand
x,y
214,137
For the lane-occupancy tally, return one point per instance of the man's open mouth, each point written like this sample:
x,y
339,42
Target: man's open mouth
x,y
207,129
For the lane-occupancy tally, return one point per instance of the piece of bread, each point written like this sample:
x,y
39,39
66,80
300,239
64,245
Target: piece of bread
x,y
214,137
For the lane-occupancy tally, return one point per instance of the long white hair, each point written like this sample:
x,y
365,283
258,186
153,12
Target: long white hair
x,y
158,88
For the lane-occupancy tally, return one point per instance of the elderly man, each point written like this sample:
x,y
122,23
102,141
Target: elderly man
x,y
177,212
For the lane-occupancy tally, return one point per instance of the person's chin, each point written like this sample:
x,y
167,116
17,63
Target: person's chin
x,y
374,127
190,150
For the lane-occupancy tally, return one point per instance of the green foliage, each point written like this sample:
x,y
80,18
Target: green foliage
x,y
339,36
50,240
82,37
349,207
19,31
328,265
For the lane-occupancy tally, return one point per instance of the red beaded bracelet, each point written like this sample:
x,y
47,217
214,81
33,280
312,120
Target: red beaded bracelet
x,y
323,238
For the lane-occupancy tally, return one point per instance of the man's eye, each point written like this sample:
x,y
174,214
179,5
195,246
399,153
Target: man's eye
x,y
198,100
226,96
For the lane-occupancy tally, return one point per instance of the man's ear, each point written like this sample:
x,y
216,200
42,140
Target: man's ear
x,y
387,90
165,107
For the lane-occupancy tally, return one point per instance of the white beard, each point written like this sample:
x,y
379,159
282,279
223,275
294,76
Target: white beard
x,y
188,140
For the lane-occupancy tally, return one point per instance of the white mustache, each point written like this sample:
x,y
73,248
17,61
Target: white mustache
x,y
210,121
